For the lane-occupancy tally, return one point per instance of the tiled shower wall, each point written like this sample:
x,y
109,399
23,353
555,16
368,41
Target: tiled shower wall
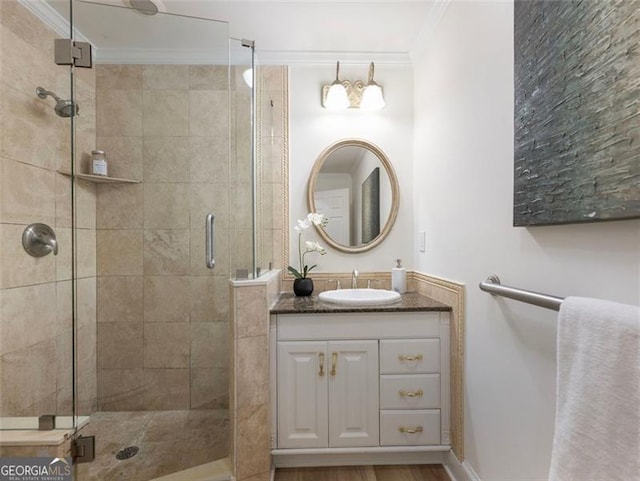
x,y
35,293
163,317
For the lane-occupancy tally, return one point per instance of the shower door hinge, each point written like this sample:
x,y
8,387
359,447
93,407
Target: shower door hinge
x,y
83,449
70,52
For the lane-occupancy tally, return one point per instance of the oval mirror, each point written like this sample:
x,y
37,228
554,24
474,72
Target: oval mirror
x,y
354,185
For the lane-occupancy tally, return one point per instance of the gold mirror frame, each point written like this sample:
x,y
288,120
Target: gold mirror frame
x,y
395,193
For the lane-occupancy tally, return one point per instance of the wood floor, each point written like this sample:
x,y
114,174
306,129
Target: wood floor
x,y
427,472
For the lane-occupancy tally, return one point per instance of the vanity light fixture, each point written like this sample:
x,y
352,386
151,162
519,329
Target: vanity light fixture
x,y
336,94
345,94
372,98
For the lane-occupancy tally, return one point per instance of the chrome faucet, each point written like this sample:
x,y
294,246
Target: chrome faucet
x,y
354,279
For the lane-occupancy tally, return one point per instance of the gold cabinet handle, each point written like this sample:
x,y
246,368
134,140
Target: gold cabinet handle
x,y
417,357
416,430
321,362
404,393
334,362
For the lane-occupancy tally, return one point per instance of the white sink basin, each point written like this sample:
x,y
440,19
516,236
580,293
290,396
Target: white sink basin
x,y
360,297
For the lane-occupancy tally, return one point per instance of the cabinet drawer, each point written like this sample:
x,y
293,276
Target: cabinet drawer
x,y
410,391
410,428
404,356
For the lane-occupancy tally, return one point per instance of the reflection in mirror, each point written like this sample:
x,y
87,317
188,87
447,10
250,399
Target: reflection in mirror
x,y
353,184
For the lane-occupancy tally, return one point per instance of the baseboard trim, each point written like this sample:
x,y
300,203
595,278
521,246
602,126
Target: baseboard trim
x,y
291,459
458,471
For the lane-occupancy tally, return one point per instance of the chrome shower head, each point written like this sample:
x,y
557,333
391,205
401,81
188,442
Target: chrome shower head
x,y
64,108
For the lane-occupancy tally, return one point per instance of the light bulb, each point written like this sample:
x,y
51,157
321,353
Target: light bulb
x,y
372,98
337,98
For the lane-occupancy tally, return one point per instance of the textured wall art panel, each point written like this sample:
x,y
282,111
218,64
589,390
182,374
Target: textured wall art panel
x,y
577,111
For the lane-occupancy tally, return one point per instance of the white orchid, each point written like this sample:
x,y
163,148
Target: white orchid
x,y
310,246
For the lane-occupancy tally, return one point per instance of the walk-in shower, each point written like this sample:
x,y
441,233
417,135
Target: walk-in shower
x,y
126,331
63,108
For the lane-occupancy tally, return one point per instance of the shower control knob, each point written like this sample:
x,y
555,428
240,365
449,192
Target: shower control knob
x,y
39,240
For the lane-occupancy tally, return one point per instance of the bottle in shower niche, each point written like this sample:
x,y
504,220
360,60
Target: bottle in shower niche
x,y
399,278
98,162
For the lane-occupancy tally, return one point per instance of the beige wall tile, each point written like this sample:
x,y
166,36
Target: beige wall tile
x,y
166,252
252,376
166,159
18,267
86,302
208,113
63,200
166,345
252,442
27,316
165,77
209,159
166,299
121,389
166,206
64,314
64,373
166,113
36,363
28,193
85,205
209,298
30,129
251,318
209,388
166,389
242,205
209,344
119,206
118,77
22,63
242,249
63,260
124,156
86,370
119,252
120,345
119,113
208,77
120,299
86,252
209,199
17,19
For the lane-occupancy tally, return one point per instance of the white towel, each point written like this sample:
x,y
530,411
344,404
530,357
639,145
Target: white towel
x,y
597,427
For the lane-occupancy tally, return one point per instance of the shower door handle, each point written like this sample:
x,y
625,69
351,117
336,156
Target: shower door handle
x,y
211,262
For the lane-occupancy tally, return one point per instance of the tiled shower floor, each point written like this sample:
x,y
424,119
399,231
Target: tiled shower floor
x,y
169,441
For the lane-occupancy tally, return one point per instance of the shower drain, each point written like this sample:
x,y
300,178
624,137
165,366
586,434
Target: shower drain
x,y
127,452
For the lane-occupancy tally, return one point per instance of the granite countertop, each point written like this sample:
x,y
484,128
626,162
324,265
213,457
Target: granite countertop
x,y
289,303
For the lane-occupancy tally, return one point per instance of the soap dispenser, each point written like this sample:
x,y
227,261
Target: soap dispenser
x,y
399,278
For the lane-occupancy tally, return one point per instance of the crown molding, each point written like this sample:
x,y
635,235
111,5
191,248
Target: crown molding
x,y
438,10
284,57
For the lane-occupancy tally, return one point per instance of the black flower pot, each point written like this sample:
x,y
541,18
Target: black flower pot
x,y
303,287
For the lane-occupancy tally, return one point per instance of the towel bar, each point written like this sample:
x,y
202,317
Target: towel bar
x,y
492,286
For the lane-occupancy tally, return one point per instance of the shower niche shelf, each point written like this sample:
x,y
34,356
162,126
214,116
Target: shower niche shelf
x,y
100,179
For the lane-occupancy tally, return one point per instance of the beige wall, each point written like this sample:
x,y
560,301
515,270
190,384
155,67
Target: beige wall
x,y
35,295
162,315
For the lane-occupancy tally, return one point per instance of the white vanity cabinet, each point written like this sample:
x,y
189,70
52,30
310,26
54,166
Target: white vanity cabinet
x,y
327,394
359,384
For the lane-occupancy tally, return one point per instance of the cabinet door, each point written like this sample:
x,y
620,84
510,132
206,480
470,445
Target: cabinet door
x,y
353,393
302,394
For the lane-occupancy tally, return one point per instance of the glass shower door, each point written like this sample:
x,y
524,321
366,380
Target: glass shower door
x,y
152,344
36,315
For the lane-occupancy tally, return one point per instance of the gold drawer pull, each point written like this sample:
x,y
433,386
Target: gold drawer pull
x,y
417,357
334,362
417,393
417,429
321,361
